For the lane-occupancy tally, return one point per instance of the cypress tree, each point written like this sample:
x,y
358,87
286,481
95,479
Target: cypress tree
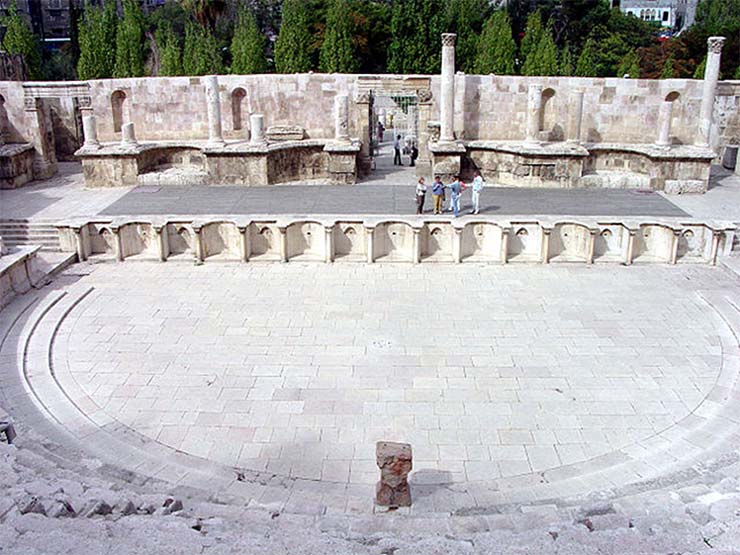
x,y
629,65
548,53
586,64
668,71
532,36
130,41
416,28
496,46
700,69
201,54
466,19
293,45
19,39
170,54
338,51
97,39
566,62
248,45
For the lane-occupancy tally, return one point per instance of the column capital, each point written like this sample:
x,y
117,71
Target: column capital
x,y
715,44
448,39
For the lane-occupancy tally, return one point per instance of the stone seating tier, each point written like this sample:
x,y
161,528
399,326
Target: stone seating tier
x,y
399,239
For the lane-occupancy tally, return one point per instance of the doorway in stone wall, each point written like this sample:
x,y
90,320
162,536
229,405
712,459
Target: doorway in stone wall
x,y
393,116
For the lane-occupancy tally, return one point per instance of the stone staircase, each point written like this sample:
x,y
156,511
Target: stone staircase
x,y
16,233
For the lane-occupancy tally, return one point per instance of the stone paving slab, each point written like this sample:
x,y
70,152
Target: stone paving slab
x,y
384,199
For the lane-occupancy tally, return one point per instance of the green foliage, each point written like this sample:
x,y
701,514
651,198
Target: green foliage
x,y
566,62
466,19
293,45
668,69
629,65
130,41
582,16
543,60
416,28
700,69
718,17
496,47
338,51
20,40
201,54
97,32
533,33
586,64
170,53
372,23
247,45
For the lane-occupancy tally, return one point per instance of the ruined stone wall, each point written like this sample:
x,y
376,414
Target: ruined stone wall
x,y
175,107
614,110
727,112
17,126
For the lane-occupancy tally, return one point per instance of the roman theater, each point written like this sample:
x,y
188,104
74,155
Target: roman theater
x,y
218,304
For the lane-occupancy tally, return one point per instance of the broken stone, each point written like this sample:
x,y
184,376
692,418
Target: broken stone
x,y
61,509
170,506
31,505
97,507
395,463
124,508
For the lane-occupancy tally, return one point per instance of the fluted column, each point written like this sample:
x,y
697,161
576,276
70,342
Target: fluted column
x,y
711,75
213,105
447,96
575,116
665,115
534,109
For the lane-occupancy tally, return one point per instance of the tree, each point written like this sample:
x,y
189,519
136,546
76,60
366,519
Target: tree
x,y
533,33
466,18
201,55
566,61
372,23
338,51
170,53
700,69
19,39
97,32
496,46
130,41
247,45
629,65
668,70
543,60
293,45
416,28
586,64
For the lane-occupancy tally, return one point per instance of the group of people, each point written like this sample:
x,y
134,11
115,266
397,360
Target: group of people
x,y
412,151
455,189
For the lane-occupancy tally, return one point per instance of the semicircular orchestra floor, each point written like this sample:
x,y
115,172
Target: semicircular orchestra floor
x,y
489,372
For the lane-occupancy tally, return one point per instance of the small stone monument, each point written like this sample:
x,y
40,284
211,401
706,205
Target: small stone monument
x,y
394,461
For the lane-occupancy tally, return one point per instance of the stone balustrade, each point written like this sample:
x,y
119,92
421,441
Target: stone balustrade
x,y
400,239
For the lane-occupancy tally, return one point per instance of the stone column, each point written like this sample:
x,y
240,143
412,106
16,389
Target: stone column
x,y
370,231
329,243
244,242
128,135
505,245
546,245
213,100
411,122
447,96
38,123
163,246
664,124
630,250
576,116
257,129
341,118
3,123
90,131
283,243
711,75
534,109
457,245
416,246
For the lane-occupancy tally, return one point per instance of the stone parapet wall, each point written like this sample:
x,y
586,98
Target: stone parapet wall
x,y
413,240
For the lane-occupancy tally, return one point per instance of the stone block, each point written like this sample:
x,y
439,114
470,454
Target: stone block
x,y
395,463
681,186
285,133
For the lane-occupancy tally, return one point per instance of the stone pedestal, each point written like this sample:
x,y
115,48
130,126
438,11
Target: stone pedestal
x,y
128,135
664,124
343,161
90,131
213,101
447,92
711,75
446,159
394,461
534,113
257,129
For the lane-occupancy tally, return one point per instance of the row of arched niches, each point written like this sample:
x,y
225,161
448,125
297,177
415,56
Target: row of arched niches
x,y
399,240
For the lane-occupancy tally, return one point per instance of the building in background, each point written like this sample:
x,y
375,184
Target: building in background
x,y
671,14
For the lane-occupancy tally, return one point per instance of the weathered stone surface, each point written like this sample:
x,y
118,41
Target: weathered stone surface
x,y
285,133
97,507
395,463
31,504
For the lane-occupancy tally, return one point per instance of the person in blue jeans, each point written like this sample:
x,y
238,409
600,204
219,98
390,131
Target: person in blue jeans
x,y
456,188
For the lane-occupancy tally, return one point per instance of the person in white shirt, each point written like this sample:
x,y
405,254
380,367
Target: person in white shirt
x,y
477,188
421,192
